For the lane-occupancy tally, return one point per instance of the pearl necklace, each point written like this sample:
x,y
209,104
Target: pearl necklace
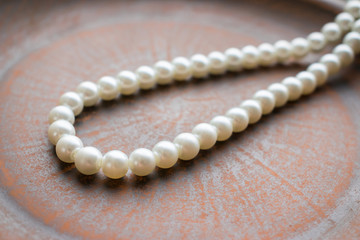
x,y
115,164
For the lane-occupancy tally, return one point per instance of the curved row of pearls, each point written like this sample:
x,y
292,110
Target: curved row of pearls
x,y
186,146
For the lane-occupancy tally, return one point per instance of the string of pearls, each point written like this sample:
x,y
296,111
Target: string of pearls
x,y
115,164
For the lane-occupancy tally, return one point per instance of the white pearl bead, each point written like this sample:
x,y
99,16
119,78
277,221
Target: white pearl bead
x,y
267,55
332,62
317,41
266,99
166,154
251,57
66,146
283,50
280,92
182,68
146,77
308,82
127,83
61,112
300,47
88,160
353,40
320,72
224,127
353,7
217,63
240,119
345,54
188,146
59,128
108,88
234,58
89,93
200,65
294,87
253,108
73,101
356,26
331,31
345,21
164,72
142,162
207,135
115,164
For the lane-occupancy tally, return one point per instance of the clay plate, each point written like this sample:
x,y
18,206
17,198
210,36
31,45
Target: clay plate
x,y
295,174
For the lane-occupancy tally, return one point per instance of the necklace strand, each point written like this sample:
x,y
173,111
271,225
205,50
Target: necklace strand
x,y
115,164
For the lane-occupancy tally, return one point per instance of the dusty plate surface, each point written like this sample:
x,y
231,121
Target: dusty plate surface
x,y
295,174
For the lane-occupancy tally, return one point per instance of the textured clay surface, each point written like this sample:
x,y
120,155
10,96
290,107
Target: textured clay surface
x,y
294,175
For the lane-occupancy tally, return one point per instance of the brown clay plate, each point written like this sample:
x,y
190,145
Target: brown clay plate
x,y
295,174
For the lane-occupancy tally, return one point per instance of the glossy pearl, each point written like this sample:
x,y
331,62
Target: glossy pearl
x,y
240,119
66,146
320,72
251,57
164,72
188,146
356,26
345,21
281,94
267,55
73,101
234,58
254,110
61,112
88,160
317,41
300,47
89,93
146,77
59,128
207,135
182,69
353,7
166,154
217,63
223,126
108,88
142,162
294,87
332,62
127,83
345,54
283,50
331,31
353,40
115,164
200,65
266,99
308,82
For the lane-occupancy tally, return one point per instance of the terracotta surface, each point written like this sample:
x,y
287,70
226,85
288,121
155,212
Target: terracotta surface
x,y
294,175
